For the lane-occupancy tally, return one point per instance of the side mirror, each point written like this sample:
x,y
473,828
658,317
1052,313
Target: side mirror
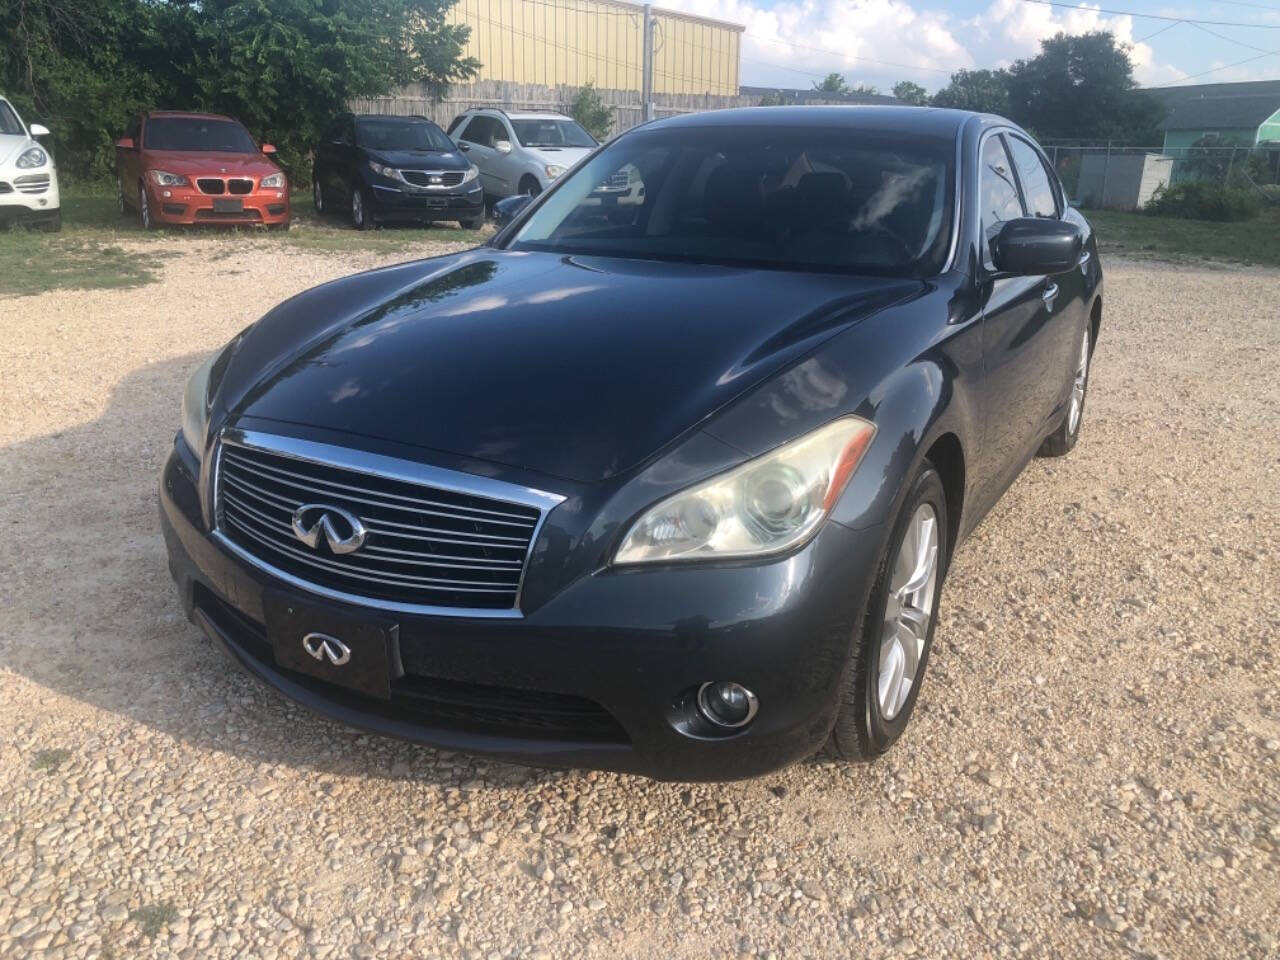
x,y
1032,246
125,143
268,149
508,208
39,130
502,146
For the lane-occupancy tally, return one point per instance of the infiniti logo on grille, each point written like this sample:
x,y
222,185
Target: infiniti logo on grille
x,y
343,531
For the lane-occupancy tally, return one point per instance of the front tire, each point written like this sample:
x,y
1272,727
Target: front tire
x,y
471,224
361,214
53,224
1063,440
891,646
530,186
144,209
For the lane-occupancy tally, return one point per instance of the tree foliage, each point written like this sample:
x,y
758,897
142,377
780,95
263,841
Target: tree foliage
x,y
1078,86
283,67
831,83
985,91
592,112
911,93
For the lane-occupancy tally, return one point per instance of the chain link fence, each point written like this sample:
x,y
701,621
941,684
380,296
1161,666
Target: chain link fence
x,y
1120,176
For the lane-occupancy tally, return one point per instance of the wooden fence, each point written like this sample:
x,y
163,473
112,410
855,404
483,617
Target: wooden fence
x,y
625,105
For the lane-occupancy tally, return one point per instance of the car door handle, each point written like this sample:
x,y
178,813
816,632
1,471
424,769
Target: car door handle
x,y
1050,294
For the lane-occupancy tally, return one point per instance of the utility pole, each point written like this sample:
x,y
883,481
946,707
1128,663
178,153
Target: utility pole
x,y
646,79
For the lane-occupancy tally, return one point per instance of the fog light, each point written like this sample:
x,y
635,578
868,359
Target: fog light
x,y
166,194
727,704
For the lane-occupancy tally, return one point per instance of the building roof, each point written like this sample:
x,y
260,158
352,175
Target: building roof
x,y
1219,106
673,14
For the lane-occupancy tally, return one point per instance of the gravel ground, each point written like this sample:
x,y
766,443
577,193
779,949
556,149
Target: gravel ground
x,y
1093,769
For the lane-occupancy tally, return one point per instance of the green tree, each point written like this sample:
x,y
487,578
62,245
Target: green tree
x,y
590,111
985,91
832,83
1082,86
909,92
774,98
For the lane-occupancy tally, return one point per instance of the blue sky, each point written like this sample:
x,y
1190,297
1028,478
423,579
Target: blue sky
x,y
878,42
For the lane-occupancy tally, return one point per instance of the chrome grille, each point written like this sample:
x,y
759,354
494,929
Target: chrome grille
x,y
426,546
427,178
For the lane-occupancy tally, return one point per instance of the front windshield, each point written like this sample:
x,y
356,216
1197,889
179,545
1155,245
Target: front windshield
x,y
420,135
790,198
194,133
10,125
552,133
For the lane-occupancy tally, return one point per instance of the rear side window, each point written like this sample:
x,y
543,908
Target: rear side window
x,y
998,191
1036,185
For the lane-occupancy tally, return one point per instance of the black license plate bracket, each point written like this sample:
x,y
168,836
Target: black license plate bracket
x,y
359,653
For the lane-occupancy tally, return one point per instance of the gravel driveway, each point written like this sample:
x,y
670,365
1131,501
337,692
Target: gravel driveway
x,y
1093,769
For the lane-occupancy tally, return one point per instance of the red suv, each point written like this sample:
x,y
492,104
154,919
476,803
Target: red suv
x,y
184,168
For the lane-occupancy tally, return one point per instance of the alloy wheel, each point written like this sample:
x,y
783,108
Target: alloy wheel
x,y
913,591
317,194
1078,386
357,208
144,209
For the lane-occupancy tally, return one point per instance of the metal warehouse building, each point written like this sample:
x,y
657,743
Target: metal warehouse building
x,y
574,42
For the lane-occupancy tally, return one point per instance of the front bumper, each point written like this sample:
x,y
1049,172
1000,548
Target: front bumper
x,y
599,676
187,206
404,203
29,195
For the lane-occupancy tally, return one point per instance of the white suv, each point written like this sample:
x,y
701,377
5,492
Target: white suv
x,y
520,152
28,180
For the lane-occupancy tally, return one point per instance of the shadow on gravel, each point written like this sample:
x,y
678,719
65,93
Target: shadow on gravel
x,y
94,615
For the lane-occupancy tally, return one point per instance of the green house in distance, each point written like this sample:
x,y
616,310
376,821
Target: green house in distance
x,y
1244,114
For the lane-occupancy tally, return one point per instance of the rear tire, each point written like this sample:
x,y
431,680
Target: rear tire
x,y
892,642
121,203
317,196
1063,440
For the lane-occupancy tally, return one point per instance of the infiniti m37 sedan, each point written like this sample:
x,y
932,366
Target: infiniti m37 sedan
x,y
670,487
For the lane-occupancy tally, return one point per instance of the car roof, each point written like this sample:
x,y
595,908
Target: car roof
x,y
922,120
393,118
190,115
520,115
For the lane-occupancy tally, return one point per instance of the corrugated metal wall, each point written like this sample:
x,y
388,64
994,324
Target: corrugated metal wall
x,y
574,42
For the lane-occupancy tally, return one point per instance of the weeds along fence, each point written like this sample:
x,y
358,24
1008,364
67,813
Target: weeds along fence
x,y
1122,176
625,105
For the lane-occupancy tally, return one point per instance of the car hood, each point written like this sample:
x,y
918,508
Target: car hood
x,y
11,145
580,368
213,162
564,156
420,159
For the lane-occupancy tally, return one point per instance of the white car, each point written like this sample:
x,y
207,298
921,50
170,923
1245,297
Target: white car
x,y
520,152
28,180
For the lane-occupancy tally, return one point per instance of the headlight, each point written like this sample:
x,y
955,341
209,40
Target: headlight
x,y
391,173
197,398
168,179
471,174
32,157
274,180
554,170
768,505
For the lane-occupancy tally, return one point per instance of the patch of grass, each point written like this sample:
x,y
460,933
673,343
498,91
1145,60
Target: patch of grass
x,y
87,254
49,760
153,918
1161,238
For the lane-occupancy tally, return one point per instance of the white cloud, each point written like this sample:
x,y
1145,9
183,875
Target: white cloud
x,y
882,41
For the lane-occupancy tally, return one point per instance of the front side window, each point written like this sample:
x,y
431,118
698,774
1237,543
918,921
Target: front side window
x,y
10,125
1036,186
816,199
998,190
483,131
420,135
552,133
194,133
